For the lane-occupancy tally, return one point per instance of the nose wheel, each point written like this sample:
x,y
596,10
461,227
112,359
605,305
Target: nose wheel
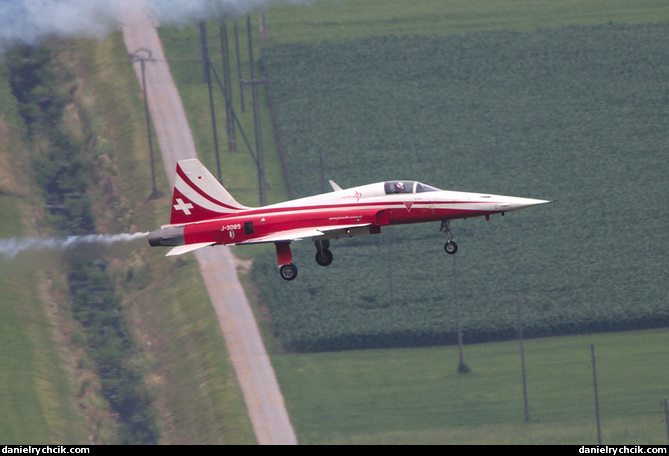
x,y
450,247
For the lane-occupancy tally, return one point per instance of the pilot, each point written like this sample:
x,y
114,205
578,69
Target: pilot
x,y
399,187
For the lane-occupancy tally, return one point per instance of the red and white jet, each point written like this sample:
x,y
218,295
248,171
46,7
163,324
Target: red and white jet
x,y
205,214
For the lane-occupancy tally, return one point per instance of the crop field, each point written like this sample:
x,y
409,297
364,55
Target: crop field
x,y
577,115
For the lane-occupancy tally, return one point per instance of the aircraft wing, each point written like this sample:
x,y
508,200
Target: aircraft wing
x,y
188,248
301,233
282,236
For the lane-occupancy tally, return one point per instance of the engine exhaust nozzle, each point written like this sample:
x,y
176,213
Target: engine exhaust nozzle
x,y
167,236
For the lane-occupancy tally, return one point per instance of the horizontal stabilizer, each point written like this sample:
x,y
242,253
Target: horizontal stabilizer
x,y
188,248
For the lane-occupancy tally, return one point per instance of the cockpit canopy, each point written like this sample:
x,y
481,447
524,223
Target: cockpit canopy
x,y
407,187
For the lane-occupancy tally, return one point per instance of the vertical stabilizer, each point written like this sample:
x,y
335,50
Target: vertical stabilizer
x,y
198,195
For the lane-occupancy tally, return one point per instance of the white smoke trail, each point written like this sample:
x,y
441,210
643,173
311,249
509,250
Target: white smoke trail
x,y
177,12
32,22
11,247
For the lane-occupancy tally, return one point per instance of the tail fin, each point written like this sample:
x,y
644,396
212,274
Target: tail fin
x,y
198,195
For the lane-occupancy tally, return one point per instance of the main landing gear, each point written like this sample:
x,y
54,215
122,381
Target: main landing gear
x,y
450,247
287,270
324,256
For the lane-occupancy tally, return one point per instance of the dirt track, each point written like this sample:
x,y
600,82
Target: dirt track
x,y
263,397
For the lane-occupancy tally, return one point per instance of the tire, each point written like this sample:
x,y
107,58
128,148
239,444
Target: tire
x,y
324,257
288,271
451,247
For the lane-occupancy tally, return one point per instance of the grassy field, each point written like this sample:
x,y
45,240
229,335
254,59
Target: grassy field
x,y
410,396
329,20
48,388
37,380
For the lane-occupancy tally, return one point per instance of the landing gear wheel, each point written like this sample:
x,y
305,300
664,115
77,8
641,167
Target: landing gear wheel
x,y
451,247
288,271
324,257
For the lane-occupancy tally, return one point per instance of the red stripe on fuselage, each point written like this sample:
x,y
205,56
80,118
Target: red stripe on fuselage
x,y
230,229
400,205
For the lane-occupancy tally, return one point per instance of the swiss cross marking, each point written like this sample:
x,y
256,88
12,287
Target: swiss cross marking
x,y
181,206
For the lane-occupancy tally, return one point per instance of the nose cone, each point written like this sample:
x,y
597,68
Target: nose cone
x,y
512,203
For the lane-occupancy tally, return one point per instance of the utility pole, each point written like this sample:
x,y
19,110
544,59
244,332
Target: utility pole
x,y
462,366
227,85
206,66
143,55
321,167
260,161
235,120
666,416
391,278
594,380
239,67
522,357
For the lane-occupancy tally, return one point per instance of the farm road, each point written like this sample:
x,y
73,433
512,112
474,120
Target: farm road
x,y
262,395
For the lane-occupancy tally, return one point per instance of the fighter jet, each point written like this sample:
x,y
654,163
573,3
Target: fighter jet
x,y
205,214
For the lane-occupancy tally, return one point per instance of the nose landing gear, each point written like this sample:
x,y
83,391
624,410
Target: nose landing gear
x,y
450,247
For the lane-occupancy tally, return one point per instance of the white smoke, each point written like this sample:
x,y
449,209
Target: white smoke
x,y
176,12
11,247
32,22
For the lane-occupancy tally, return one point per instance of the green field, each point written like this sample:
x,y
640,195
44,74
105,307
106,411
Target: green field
x,y
36,379
411,396
50,388
334,20
534,114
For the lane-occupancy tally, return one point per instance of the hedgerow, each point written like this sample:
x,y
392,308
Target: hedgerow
x,y
43,87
